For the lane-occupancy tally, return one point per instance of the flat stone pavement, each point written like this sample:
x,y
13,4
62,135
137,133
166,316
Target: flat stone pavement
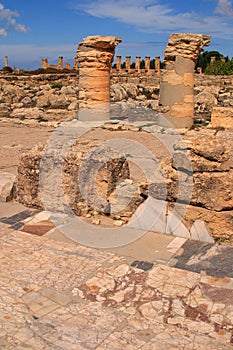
x,y
159,292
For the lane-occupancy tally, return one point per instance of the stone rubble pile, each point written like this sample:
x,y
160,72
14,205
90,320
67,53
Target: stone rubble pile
x,y
49,99
196,182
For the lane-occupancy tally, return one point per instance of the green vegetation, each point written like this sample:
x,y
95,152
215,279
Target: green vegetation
x,y
217,67
205,58
56,85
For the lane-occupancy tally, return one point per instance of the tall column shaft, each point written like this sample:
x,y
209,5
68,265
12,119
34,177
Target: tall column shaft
x,y
118,63
6,61
60,63
177,80
157,65
44,63
127,63
147,64
95,56
137,64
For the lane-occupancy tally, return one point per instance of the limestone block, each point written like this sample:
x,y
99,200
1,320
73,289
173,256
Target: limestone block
x,y
170,76
189,79
214,221
6,186
42,101
207,153
26,113
213,190
222,117
89,175
185,45
182,110
58,101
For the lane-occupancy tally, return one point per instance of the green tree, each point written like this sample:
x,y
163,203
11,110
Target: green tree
x,y
219,68
205,58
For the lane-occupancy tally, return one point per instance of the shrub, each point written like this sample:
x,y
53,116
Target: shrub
x,y
56,85
219,68
7,70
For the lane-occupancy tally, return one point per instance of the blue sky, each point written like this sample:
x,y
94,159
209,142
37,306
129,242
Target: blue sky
x,y
32,29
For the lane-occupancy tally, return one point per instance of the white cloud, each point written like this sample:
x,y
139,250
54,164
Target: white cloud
x,y
157,17
8,21
3,32
224,7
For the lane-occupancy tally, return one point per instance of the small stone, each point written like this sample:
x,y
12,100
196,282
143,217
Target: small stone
x,y
96,222
118,223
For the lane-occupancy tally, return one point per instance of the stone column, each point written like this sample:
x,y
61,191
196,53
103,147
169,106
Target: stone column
x,y
177,80
147,64
118,63
6,61
157,65
95,56
75,65
127,63
67,65
60,63
44,63
137,64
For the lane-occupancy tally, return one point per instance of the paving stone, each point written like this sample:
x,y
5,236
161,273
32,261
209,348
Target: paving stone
x,y
176,244
6,184
151,247
57,295
17,226
143,265
39,228
39,304
17,217
196,256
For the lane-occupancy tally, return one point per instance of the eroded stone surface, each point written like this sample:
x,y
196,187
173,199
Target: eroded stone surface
x,y
60,295
177,81
185,45
95,56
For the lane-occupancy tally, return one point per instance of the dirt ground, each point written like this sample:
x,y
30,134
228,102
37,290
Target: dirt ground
x,y
15,139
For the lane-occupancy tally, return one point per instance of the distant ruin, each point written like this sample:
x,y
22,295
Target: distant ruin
x,y
59,65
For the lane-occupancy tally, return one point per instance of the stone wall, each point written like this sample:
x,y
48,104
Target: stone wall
x,y
71,192
42,98
211,174
33,99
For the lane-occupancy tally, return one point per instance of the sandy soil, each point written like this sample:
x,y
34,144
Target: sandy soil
x,y
15,139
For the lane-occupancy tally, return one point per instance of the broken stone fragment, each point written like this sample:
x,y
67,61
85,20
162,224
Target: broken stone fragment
x,y
185,45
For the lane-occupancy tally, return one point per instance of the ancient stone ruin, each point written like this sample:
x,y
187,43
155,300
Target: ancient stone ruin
x,y
177,80
210,154
95,56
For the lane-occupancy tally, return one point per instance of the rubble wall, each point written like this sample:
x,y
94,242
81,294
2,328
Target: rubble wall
x,y
211,173
51,98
